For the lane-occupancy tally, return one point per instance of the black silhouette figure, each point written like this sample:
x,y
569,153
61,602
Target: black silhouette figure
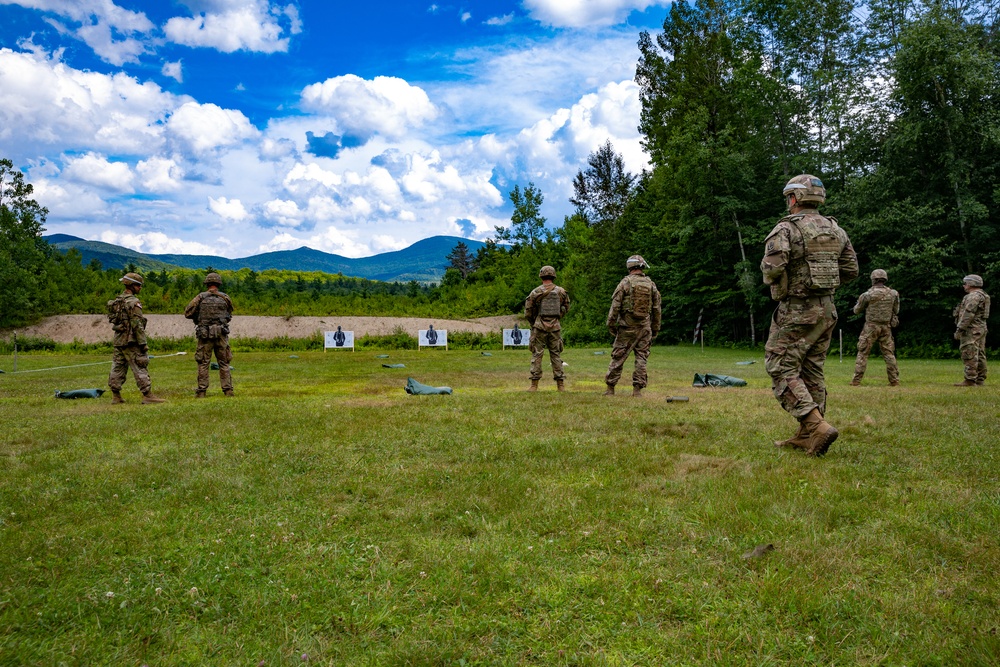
x,y
432,336
339,338
516,336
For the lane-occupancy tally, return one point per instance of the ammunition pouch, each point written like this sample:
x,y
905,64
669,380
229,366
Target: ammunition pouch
x,y
211,331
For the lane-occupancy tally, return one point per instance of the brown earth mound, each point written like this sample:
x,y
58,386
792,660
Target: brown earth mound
x,y
95,328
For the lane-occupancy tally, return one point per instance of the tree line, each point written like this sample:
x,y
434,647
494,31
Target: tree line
x,y
894,104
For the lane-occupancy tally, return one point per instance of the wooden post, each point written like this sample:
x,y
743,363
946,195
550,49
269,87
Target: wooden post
x,y
841,346
15,351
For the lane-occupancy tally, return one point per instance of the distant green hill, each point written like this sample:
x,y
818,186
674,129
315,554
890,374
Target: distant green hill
x,y
109,255
424,261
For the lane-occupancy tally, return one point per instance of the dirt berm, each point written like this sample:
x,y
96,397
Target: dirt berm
x,y
95,328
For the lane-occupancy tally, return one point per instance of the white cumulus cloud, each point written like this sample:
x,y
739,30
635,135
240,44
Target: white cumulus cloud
x,y
228,209
174,71
95,169
117,35
586,13
204,127
234,25
385,104
159,174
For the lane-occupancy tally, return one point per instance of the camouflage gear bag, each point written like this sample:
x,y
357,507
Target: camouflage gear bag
x,y
118,313
639,298
822,247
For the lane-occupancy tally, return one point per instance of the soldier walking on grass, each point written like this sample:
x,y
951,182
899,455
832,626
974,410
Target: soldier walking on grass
x,y
881,307
131,350
970,330
211,311
634,321
806,257
544,307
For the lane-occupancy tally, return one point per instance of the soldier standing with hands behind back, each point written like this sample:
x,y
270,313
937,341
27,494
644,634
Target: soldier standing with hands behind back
x,y
544,307
881,307
211,311
131,350
970,330
806,257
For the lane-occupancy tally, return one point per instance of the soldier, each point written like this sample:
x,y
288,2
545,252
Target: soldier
x,y
806,257
970,330
881,307
634,320
131,350
544,307
211,311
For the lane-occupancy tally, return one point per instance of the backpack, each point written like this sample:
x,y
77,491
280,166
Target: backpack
x,y
118,312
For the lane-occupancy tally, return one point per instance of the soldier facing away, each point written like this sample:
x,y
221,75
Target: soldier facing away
x,y
544,308
881,307
131,349
211,311
970,330
634,320
806,257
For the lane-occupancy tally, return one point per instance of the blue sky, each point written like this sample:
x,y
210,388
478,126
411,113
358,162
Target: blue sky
x,y
235,127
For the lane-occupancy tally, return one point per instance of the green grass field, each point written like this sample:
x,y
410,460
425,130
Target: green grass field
x,y
325,517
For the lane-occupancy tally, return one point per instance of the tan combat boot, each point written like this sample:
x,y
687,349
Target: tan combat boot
x,y
199,394
965,383
855,382
636,391
610,391
116,397
534,386
821,434
228,392
560,385
798,441
150,398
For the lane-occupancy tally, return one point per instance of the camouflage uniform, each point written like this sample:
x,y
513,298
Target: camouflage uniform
x,y
633,332
881,307
211,312
544,307
131,350
970,330
803,323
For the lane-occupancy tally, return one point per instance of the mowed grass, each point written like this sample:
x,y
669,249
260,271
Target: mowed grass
x,y
325,517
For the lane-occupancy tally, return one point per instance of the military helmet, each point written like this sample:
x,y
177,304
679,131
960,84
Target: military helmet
x,y
547,272
213,278
636,262
807,189
879,274
131,279
973,280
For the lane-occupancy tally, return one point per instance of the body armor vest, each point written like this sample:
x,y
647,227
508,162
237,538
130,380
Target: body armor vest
x,y
551,305
822,248
213,309
639,299
880,302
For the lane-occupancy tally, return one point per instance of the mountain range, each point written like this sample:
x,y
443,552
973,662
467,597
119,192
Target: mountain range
x,y
424,261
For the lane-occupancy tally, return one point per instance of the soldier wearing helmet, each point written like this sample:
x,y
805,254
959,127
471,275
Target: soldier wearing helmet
x,y
131,349
970,330
211,311
544,308
806,257
634,321
880,305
